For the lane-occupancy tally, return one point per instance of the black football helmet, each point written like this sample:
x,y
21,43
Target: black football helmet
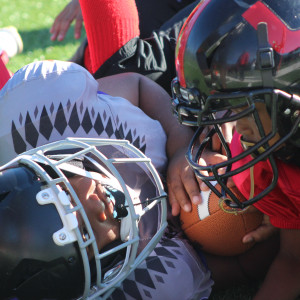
x,y
232,54
44,252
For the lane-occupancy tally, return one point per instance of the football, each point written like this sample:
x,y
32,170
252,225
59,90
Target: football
x,y
219,232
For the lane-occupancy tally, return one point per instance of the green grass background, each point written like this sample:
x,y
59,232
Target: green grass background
x,y
33,19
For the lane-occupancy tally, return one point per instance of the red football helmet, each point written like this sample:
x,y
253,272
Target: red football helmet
x,y
232,54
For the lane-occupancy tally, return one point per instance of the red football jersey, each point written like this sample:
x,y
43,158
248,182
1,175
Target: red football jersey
x,y
282,204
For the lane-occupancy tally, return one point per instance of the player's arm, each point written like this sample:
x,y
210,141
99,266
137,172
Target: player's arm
x,y
183,186
155,102
283,279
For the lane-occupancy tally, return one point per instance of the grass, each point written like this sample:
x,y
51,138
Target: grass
x,y
33,19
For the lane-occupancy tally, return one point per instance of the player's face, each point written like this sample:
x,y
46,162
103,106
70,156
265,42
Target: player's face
x,y
99,209
248,129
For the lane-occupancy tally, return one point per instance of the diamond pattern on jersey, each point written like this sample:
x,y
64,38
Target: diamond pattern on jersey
x,y
31,133
147,294
99,125
45,122
143,282
142,276
154,263
110,130
20,145
159,279
161,251
120,132
130,288
60,123
74,122
46,126
86,122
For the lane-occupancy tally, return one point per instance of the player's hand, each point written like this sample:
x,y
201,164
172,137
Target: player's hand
x,y
263,232
62,22
183,186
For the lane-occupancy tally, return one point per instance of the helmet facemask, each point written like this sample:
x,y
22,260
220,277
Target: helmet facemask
x,y
99,276
221,108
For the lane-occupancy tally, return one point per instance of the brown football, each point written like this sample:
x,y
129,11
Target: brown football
x,y
219,232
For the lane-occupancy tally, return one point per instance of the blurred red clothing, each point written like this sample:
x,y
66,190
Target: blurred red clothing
x,y
4,72
108,28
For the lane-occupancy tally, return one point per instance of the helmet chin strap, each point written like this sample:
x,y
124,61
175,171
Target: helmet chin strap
x,y
234,210
246,145
260,150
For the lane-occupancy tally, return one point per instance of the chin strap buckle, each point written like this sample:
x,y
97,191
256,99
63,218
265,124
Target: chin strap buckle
x,y
224,204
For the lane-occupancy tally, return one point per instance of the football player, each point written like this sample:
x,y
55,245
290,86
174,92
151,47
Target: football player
x,y
86,217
